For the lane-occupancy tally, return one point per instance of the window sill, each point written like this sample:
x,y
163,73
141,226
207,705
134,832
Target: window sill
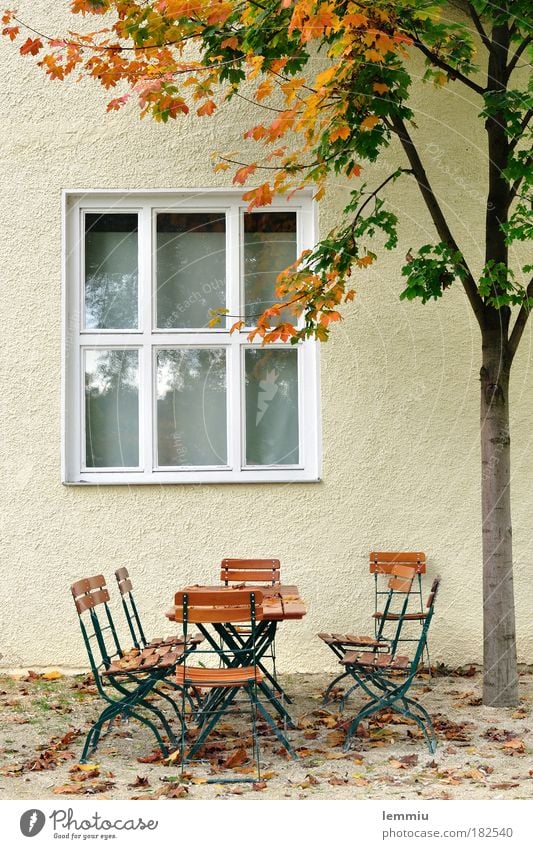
x,y
191,479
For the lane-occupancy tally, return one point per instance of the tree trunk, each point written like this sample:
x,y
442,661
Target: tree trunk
x,y
500,682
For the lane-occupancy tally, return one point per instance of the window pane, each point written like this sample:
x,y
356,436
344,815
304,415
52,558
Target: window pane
x,y
191,407
111,408
269,247
191,267
271,407
111,271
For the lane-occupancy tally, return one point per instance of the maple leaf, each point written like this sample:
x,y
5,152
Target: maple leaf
x,y
369,122
11,32
341,132
31,47
262,196
243,173
207,108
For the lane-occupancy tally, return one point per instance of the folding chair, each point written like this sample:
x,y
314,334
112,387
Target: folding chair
x,y
239,673
134,621
132,675
381,565
400,585
259,572
376,674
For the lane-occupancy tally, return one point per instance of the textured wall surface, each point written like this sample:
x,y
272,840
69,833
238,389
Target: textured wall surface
x,y
399,399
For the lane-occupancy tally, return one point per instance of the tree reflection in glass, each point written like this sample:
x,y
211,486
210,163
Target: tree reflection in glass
x,y
191,407
271,407
111,271
111,408
191,268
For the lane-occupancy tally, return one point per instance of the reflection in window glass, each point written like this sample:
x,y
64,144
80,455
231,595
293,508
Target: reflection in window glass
x,y
191,268
191,407
111,271
111,408
269,247
271,407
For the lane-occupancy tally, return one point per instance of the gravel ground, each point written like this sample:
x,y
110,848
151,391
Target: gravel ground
x,y
483,753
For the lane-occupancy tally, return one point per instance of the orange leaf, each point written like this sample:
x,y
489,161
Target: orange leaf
x,y
238,758
341,132
207,108
369,122
261,196
237,326
31,46
380,88
243,173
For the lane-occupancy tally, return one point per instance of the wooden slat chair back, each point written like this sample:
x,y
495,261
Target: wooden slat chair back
x,y
132,674
381,564
372,673
239,672
250,570
262,571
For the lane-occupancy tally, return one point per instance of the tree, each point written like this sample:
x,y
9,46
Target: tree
x,y
334,79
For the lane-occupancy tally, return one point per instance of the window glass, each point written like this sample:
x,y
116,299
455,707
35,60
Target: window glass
x,y
191,407
269,247
111,408
271,407
111,271
191,268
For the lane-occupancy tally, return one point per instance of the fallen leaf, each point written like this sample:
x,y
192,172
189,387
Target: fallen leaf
x,y
238,758
53,675
140,781
259,785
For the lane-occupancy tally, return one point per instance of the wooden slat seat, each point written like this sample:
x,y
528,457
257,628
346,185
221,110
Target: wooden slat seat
x,y
352,640
147,660
194,676
379,661
394,617
194,639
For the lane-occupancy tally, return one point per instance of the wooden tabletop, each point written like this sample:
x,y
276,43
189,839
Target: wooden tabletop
x,y
280,601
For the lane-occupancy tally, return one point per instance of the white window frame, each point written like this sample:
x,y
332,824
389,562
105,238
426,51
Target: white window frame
x,y
148,340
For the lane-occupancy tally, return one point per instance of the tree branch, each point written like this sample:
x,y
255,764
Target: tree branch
x,y
437,215
440,63
479,26
516,56
520,323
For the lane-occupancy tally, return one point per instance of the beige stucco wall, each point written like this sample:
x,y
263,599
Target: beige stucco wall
x,y
399,401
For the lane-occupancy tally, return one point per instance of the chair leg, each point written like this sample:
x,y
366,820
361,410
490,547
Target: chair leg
x,y
281,737
424,722
330,687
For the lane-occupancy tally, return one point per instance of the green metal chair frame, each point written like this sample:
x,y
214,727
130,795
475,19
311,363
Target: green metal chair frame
x,y
134,620
372,673
400,585
239,672
133,676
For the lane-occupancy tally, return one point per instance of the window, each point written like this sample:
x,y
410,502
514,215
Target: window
x,y
152,393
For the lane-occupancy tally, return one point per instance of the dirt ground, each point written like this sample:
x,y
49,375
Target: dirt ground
x,y
483,753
